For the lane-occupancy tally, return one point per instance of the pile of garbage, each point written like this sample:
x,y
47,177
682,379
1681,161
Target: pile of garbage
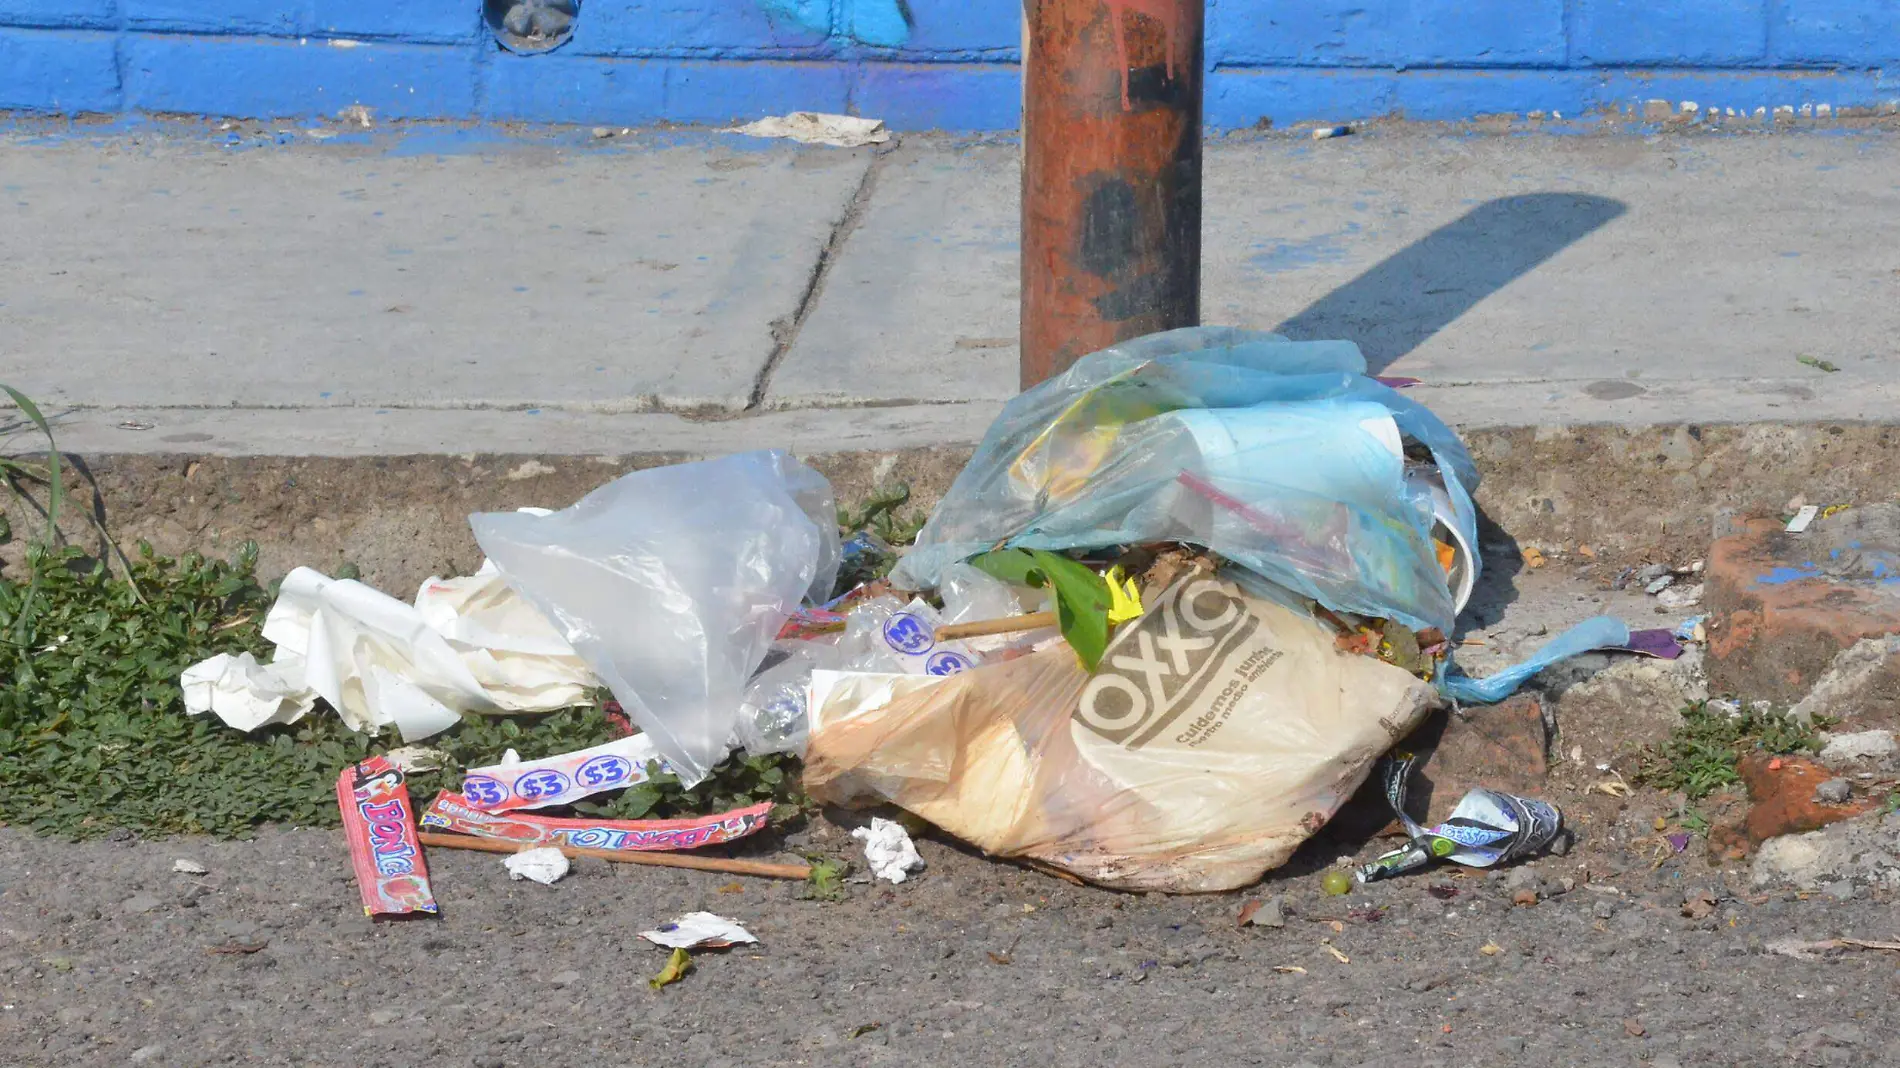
x,y
1181,602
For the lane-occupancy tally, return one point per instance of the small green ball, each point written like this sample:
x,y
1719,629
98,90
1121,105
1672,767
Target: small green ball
x,y
1337,883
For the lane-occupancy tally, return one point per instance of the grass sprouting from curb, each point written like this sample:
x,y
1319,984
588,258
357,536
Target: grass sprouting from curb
x,y
1701,754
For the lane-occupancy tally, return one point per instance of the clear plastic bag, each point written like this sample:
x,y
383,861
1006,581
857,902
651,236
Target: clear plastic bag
x,y
673,582
1281,456
773,716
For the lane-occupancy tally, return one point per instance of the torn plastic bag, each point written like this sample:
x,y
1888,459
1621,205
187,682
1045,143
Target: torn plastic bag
x,y
1600,632
772,715
1218,733
672,582
1280,456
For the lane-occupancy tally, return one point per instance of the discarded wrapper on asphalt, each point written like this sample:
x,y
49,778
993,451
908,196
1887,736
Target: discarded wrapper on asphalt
x,y
1488,827
380,823
1220,731
452,813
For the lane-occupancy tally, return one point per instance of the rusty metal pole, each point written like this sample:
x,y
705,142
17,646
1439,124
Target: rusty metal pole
x,y
1111,175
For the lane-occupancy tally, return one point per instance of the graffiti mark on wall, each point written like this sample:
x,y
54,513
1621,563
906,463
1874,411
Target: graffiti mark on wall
x,y
878,23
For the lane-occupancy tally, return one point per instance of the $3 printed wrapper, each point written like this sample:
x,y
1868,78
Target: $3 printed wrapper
x,y
560,780
380,823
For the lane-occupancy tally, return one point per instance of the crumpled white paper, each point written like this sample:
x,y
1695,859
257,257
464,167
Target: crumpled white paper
x,y
517,655
819,128
697,930
888,850
467,645
246,694
545,865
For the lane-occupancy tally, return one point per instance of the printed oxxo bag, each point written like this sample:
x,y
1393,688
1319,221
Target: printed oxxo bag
x,y
1219,731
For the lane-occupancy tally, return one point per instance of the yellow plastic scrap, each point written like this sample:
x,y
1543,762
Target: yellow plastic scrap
x,y
1124,596
676,968
1447,556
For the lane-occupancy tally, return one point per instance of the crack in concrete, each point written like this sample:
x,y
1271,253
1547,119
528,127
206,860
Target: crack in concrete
x,y
785,330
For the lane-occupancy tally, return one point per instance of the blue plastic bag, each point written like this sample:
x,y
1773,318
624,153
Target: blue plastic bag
x,y
1281,456
1602,632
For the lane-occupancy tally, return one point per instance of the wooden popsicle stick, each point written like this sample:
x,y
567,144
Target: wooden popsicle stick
x,y
621,856
1006,625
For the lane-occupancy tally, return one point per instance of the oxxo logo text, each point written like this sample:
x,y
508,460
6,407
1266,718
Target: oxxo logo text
x,y
1155,669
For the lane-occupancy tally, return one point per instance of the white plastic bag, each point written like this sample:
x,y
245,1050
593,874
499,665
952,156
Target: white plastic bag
x,y
671,584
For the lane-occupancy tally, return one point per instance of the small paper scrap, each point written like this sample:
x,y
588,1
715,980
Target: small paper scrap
x,y
1802,518
545,865
888,850
698,930
1680,597
818,128
188,867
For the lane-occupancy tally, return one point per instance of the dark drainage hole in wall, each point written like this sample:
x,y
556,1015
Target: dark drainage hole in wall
x,y
531,25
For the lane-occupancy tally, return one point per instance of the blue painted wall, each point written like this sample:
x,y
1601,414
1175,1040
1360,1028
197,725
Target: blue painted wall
x,y
934,63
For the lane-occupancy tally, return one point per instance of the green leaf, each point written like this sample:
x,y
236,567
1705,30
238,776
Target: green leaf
x,y
1082,598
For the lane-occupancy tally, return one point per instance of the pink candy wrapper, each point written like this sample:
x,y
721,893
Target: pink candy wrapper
x,y
380,824
453,813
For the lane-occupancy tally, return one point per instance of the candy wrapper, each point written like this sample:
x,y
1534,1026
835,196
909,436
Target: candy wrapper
x,y
887,635
453,814
560,780
380,824
1487,828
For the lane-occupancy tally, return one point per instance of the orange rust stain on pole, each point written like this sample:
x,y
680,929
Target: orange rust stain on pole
x,y
1111,175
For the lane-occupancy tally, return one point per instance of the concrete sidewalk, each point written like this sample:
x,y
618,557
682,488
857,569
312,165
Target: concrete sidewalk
x,y
448,292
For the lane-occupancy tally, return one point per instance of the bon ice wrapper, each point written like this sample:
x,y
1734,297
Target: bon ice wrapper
x,y
452,813
560,780
380,824
697,930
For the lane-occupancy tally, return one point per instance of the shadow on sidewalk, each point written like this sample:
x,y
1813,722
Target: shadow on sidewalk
x,y
1416,292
